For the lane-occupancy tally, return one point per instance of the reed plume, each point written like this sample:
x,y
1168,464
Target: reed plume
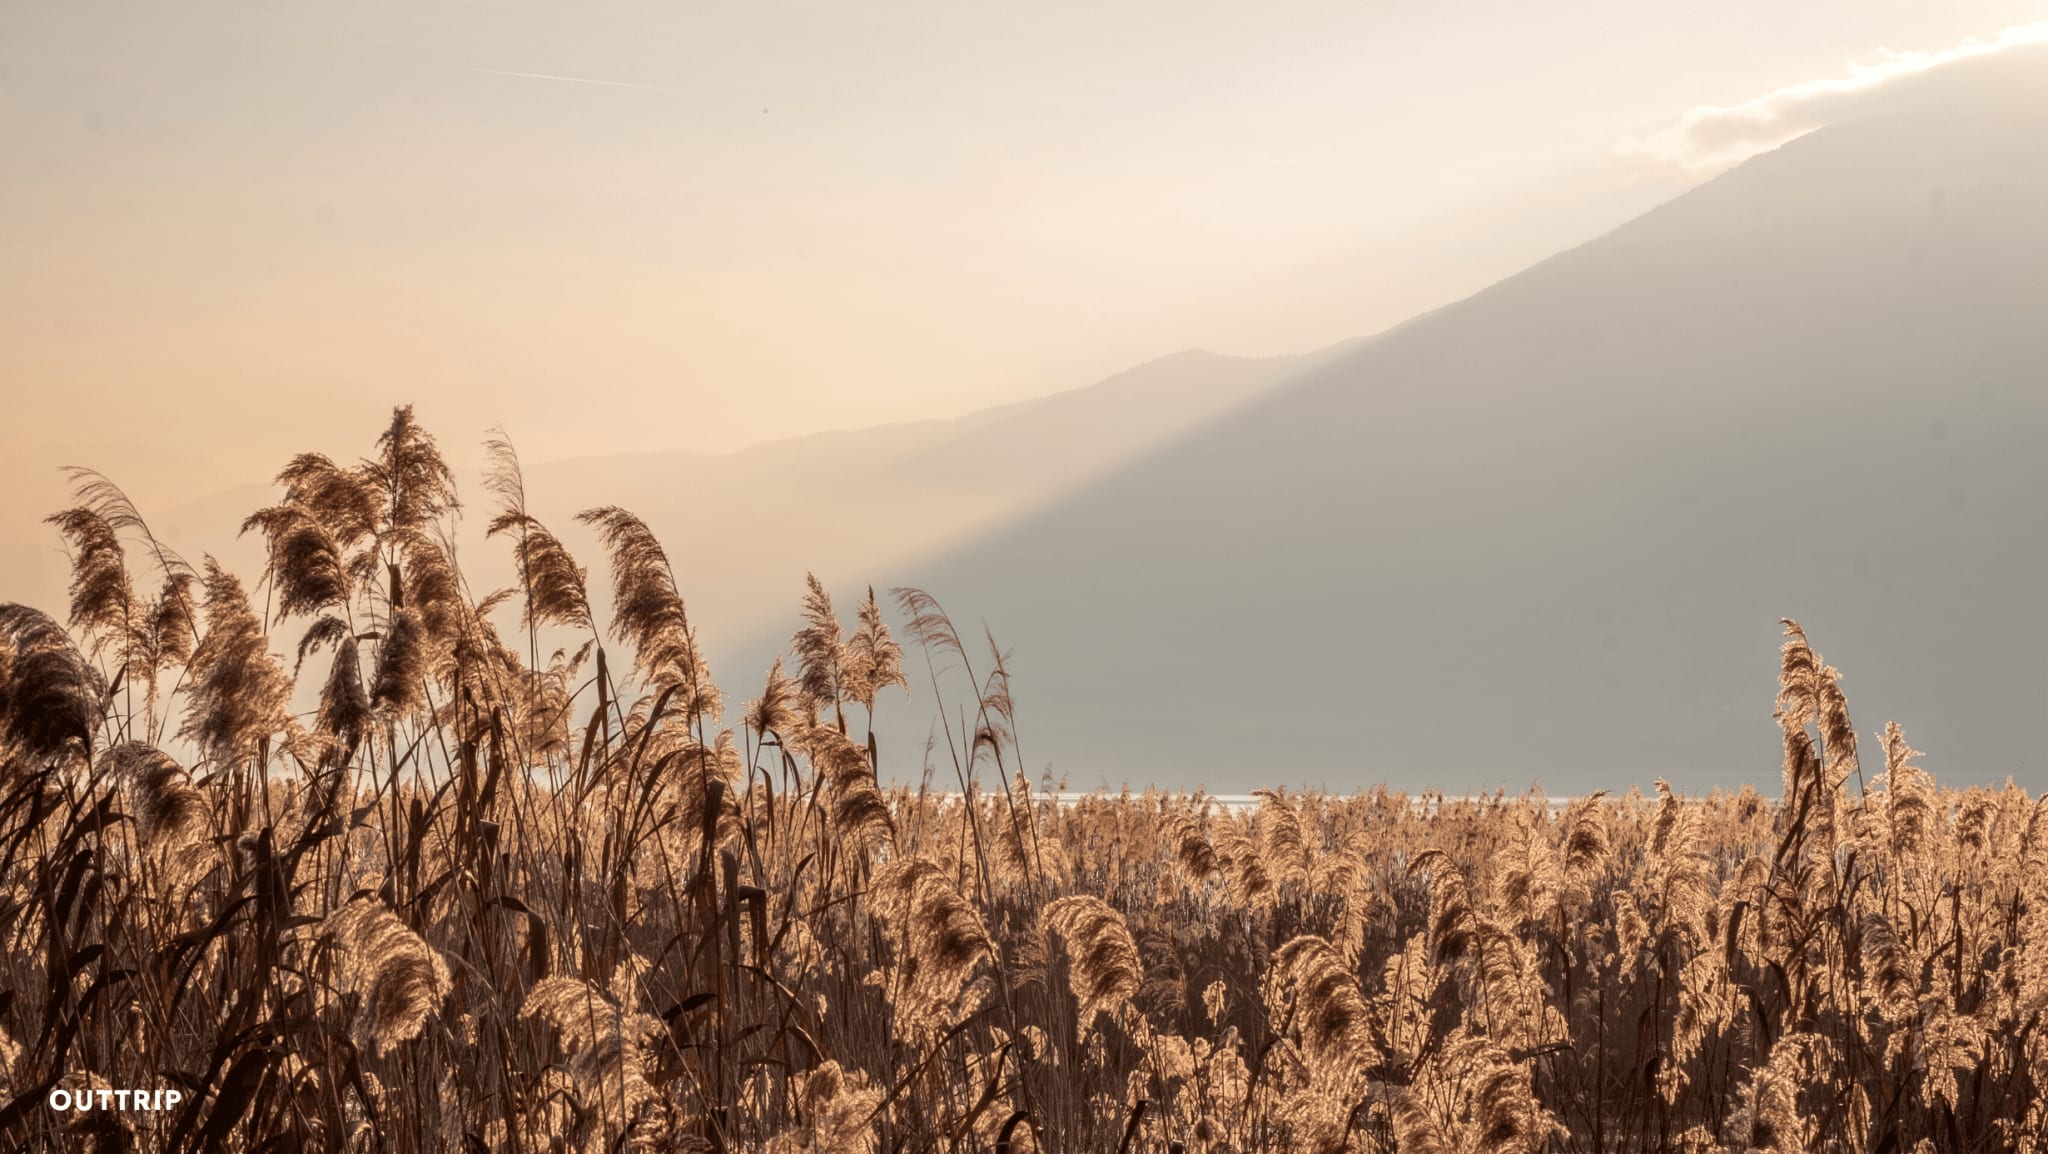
x,y
871,661
344,705
103,603
1323,997
607,1044
307,566
929,627
648,613
1188,834
819,650
342,500
1908,802
941,939
837,1106
1282,847
1471,1098
237,693
49,694
556,588
1585,850
1452,922
167,808
1104,969
414,485
860,812
399,684
399,978
776,710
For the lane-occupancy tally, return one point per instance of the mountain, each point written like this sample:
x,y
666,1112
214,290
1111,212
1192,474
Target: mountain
x,y
33,567
742,527
1545,534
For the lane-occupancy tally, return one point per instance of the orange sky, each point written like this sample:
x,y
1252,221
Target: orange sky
x,y
234,231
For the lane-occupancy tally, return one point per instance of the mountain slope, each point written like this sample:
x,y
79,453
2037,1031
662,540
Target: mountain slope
x,y
1545,533
742,527
33,485
854,505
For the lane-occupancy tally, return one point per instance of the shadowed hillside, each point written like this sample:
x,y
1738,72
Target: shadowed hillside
x,y
1540,534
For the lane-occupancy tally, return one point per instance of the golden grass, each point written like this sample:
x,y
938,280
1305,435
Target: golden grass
x,y
482,897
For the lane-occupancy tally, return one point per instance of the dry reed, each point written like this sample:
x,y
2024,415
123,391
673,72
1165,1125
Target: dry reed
x,y
442,892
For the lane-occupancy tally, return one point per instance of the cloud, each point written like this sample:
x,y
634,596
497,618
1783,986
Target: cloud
x,y
1714,136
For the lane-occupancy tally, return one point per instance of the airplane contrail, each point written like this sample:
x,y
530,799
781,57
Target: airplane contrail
x,y
608,83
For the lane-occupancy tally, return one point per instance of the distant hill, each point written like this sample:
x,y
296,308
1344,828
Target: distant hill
x,y
854,506
33,567
1545,534
742,527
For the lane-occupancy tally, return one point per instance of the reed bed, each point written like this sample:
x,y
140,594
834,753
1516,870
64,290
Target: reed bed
x,y
358,858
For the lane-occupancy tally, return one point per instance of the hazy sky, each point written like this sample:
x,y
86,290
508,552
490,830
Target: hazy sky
x,y
620,226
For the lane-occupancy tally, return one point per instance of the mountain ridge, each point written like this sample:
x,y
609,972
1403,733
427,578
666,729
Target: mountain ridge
x,y
1567,496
